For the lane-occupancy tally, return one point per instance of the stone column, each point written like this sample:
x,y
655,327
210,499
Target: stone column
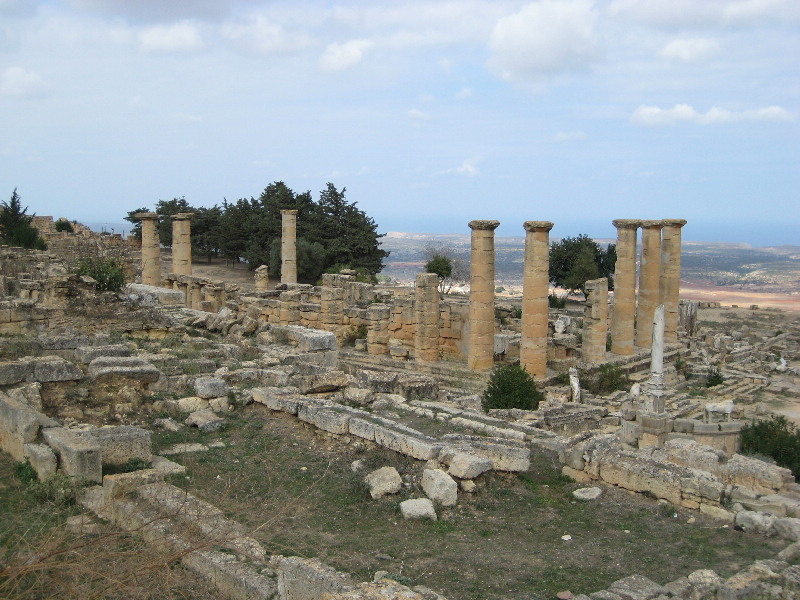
x,y
262,278
671,275
151,249
481,296
290,307
624,315
595,321
535,307
426,318
378,329
649,282
288,246
182,244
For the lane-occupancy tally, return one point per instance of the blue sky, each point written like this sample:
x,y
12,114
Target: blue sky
x,y
430,113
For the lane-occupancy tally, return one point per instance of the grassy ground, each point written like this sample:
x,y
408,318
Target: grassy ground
x,y
41,557
295,487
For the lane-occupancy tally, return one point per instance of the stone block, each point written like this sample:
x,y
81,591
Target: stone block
x,y
211,387
362,428
111,368
417,447
13,372
276,399
761,523
684,425
87,354
788,528
191,404
53,368
325,418
587,494
19,425
42,459
78,454
204,420
439,487
307,579
418,508
383,481
123,443
637,587
468,466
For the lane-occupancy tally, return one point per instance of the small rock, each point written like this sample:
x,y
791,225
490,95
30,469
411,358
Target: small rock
x,y
204,420
565,595
168,424
357,465
440,487
418,508
467,485
566,537
192,404
587,494
220,405
383,481
211,387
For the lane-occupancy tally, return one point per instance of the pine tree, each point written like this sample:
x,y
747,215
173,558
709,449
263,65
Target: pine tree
x,y
15,225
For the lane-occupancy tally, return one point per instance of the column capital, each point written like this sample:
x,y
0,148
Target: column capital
x,y
288,211
146,215
627,223
537,225
673,222
182,216
652,224
484,225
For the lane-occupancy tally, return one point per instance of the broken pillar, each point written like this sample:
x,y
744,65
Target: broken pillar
x,y
624,315
535,305
595,321
481,296
426,318
288,246
151,249
671,275
378,329
653,421
182,244
649,282
262,278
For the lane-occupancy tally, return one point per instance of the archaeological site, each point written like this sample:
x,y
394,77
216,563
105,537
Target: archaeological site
x,y
286,441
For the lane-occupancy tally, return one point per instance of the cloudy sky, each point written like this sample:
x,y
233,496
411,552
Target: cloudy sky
x,y
430,112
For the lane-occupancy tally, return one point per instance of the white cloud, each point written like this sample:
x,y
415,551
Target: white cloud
x,y
418,115
468,168
683,113
690,50
464,93
263,36
17,81
569,136
180,37
338,57
700,13
544,38
751,11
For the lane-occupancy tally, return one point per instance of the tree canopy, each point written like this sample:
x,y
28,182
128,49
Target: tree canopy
x,y
15,225
332,233
573,261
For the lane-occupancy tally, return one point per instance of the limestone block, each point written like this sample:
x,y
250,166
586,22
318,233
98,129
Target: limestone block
x,y
416,387
468,466
78,454
211,387
19,425
53,368
325,418
358,396
383,481
42,459
362,428
418,508
110,368
761,523
307,579
417,447
587,494
123,443
328,381
505,454
13,372
276,399
306,339
163,296
439,487
192,404
788,528
637,587
219,405
772,504
204,420
87,354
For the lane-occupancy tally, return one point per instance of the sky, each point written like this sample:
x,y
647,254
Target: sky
x,y
430,113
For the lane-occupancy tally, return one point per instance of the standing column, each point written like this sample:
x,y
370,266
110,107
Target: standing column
x,y
481,296
595,321
649,282
151,249
671,275
182,244
288,246
426,315
624,315
535,307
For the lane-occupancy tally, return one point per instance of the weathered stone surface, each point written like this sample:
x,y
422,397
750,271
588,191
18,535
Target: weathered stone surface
x,y
308,579
788,528
329,381
158,295
211,387
191,404
53,368
205,420
637,587
13,372
587,494
754,521
418,508
87,354
468,466
439,487
110,368
326,418
42,459
383,481
78,454
359,396
306,339
120,444
19,425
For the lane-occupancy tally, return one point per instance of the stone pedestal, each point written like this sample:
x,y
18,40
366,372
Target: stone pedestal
x,y
288,246
624,315
182,244
649,282
151,249
378,329
481,296
426,318
595,321
671,275
535,287
262,278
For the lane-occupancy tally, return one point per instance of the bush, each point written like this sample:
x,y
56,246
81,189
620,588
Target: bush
x,y
554,301
108,272
25,472
510,386
777,438
356,332
64,225
58,489
714,377
607,379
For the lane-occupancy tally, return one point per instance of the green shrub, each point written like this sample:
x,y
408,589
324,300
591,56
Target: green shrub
x,y
356,332
25,472
714,377
64,225
516,312
607,379
777,438
59,489
554,301
510,386
108,272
